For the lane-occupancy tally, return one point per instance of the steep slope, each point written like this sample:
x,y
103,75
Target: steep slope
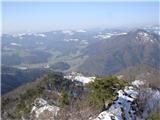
x,y
141,72
12,78
59,97
128,105
19,102
118,52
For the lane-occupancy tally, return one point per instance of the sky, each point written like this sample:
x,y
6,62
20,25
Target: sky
x,y
46,16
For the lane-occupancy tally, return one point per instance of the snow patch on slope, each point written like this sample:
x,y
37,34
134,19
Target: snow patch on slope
x,y
144,37
138,83
67,32
71,40
16,44
107,35
81,31
79,77
39,34
124,107
22,35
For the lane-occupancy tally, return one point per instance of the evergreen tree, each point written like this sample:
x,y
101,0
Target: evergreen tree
x,y
104,89
64,99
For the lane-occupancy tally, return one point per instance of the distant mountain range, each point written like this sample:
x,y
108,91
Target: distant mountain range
x,y
119,52
90,52
33,88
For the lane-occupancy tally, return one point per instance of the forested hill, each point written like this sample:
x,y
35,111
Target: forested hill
x,y
12,78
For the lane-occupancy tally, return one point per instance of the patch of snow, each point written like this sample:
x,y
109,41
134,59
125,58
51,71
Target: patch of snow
x,y
67,32
108,35
105,116
81,30
151,40
138,83
21,35
39,34
143,34
102,36
71,40
123,33
144,37
33,109
53,109
41,105
79,77
123,106
22,68
84,42
84,79
16,44
40,102
47,66
120,76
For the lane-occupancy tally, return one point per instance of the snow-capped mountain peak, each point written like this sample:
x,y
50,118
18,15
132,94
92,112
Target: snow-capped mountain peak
x,y
144,37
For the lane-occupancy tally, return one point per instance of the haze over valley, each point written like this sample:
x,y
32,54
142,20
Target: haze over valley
x,y
80,61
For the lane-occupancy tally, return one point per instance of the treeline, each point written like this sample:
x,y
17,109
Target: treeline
x,y
93,99
69,96
15,107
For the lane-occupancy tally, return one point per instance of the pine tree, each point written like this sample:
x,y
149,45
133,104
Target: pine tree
x,y
64,99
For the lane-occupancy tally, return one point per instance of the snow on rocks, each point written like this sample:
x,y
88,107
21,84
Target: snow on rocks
x,y
84,79
138,83
125,106
41,105
50,108
79,77
106,116
144,37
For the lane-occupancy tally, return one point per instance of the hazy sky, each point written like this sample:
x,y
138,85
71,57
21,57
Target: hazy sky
x,y
45,16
